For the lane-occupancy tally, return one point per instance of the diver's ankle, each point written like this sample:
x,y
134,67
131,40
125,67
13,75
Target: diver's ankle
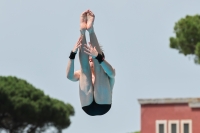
x,y
91,30
82,31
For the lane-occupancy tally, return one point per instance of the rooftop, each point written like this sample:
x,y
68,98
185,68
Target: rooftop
x,y
193,102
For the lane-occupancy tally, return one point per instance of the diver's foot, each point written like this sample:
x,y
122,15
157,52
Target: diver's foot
x,y
83,21
90,21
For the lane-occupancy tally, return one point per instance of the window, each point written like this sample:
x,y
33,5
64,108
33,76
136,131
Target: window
x,y
161,126
173,126
186,126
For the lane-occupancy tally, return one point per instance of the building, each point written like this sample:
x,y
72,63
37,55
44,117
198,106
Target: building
x,y
180,115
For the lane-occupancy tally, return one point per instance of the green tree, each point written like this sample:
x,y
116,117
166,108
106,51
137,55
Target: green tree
x,y
187,39
24,107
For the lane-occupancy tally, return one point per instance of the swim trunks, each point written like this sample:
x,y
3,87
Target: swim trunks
x,y
96,109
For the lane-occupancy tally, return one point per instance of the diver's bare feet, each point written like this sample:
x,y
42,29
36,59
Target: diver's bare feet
x,y
83,22
90,21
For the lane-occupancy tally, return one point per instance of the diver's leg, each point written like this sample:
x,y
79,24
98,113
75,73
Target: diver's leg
x,y
102,89
93,38
86,87
90,29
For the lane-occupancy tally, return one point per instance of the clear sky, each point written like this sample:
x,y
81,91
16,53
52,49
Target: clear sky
x,y
36,38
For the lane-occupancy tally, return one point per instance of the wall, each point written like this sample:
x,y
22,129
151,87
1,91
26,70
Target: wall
x,y
151,113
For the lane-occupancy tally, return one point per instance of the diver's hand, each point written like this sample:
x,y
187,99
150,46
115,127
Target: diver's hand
x,y
77,45
90,50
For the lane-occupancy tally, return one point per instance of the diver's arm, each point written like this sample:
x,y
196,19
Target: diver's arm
x,y
108,68
71,75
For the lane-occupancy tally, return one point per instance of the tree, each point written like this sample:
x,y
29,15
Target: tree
x,y
24,107
187,40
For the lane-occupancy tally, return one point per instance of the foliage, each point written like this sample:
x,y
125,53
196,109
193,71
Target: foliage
x,y
22,106
187,40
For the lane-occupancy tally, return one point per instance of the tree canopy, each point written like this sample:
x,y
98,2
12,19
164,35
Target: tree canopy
x,y
24,107
187,39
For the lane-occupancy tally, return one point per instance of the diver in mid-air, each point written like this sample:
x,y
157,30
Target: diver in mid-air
x,y
96,76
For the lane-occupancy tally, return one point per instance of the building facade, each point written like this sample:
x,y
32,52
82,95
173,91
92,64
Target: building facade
x,y
181,115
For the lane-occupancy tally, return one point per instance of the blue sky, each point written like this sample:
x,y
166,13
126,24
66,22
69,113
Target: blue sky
x,y
37,36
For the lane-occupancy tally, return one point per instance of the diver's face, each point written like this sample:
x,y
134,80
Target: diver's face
x,y
91,62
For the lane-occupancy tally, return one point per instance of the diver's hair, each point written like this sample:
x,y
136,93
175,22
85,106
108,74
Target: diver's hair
x,y
101,47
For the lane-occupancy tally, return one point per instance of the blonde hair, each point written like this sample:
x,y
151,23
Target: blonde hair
x,y
101,47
